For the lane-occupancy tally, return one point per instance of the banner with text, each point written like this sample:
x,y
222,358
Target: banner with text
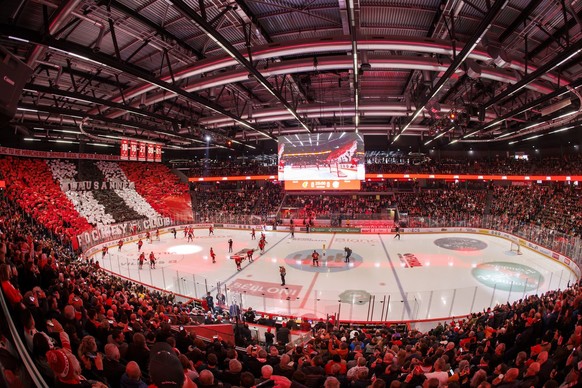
x,y
124,149
133,150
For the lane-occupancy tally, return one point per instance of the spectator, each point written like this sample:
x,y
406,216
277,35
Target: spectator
x,y
132,377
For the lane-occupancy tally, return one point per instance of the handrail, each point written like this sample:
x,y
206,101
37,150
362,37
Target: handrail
x,y
37,379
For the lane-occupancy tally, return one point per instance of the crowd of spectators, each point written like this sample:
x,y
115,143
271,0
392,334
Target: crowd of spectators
x,y
554,206
325,205
29,182
156,184
99,207
230,168
215,201
564,165
112,172
85,328
452,203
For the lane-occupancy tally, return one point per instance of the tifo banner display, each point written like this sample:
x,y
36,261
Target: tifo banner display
x,y
71,185
158,152
124,149
142,152
133,150
54,155
151,151
102,232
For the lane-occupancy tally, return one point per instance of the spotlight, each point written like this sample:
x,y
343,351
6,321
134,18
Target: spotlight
x,y
208,138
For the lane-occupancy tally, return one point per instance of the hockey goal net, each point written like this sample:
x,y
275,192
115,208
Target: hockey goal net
x,y
335,169
515,247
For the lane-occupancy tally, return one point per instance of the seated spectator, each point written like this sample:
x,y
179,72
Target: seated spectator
x,y
112,368
132,377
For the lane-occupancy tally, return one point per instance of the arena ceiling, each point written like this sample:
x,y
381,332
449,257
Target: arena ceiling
x,y
428,73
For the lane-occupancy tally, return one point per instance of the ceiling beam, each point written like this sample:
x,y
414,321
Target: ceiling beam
x,y
558,60
95,100
523,16
470,45
159,30
233,52
554,37
526,107
86,53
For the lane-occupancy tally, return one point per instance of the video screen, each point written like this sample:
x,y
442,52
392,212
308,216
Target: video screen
x,y
322,161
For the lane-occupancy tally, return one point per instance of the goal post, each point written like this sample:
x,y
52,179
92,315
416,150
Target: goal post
x,y
515,247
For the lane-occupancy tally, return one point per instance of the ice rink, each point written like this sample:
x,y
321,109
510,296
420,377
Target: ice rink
x,y
421,276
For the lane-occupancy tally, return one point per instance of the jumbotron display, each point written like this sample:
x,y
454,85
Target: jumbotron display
x,y
322,161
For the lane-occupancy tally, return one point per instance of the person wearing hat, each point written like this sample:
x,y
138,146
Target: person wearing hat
x,y
165,368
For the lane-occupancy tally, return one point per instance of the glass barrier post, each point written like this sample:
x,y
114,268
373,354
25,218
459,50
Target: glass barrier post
x,y
560,282
196,290
383,306
550,283
510,289
493,295
429,304
127,262
474,297
178,280
453,302
151,277
163,277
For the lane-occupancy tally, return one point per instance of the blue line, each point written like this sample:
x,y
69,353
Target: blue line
x,y
331,241
243,268
398,283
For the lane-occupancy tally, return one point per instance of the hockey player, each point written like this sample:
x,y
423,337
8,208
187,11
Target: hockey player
x,y
315,258
141,259
213,255
152,260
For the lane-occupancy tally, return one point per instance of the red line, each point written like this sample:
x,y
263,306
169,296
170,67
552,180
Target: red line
x,y
308,292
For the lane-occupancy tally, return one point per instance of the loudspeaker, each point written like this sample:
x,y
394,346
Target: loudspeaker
x,y
13,76
481,114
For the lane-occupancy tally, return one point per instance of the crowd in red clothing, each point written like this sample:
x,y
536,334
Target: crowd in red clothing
x,y
155,182
29,182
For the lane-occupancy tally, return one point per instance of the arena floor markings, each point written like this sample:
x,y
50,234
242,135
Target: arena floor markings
x,y
421,276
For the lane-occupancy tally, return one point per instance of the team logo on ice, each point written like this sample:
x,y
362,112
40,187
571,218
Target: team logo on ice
x,y
354,297
461,244
505,276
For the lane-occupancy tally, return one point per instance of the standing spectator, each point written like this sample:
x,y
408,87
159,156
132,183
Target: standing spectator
x,y
283,334
210,302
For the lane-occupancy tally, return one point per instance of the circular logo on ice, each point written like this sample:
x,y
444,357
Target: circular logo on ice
x,y
506,276
460,244
354,297
333,261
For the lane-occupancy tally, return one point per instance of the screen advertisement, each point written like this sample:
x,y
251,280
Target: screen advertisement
x,y
321,161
